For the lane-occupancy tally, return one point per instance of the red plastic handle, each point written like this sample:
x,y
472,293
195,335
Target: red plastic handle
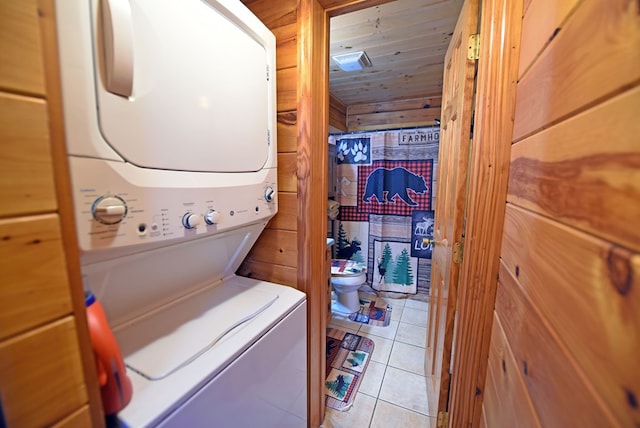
x,y
115,385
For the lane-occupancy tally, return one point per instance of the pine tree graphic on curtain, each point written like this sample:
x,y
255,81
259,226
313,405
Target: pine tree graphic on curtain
x,y
402,272
395,270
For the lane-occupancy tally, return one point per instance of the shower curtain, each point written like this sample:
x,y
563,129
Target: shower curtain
x,y
386,190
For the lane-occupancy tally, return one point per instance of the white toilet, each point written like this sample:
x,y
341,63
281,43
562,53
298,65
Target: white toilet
x,y
346,278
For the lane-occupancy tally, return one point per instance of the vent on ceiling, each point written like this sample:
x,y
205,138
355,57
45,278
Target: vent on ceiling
x,y
352,61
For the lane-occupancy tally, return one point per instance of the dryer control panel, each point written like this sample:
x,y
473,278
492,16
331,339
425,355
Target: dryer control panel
x,y
120,205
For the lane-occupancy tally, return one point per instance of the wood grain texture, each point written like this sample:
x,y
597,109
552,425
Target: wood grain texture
x,y
34,288
588,291
394,119
313,111
390,106
287,132
287,172
287,217
570,76
506,395
287,95
492,405
542,21
21,68
488,177
286,46
585,171
268,271
483,419
276,246
560,392
78,419
337,114
26,184
453,163
406,42
340,7
41,372
274,13
46,9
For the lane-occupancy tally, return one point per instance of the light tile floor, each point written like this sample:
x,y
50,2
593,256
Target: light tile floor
x,y
393,390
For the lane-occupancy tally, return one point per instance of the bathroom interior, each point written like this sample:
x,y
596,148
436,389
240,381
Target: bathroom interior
x,y
383,155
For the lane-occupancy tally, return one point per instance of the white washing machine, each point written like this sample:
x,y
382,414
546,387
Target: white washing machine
x,y
170,119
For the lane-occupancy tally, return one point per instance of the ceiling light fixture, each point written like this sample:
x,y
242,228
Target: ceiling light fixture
x,y
352,61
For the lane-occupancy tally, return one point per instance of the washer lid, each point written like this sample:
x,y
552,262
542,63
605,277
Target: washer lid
x,y
199,99
168,340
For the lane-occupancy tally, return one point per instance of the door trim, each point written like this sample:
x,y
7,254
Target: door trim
x,y
489,175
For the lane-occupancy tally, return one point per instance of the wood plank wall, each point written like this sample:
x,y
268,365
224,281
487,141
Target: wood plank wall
x,y
337,115
566,334
394,114
274,257
47,366
384,115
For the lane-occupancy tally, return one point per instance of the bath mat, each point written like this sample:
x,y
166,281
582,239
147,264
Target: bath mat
x,y
348,356
371,314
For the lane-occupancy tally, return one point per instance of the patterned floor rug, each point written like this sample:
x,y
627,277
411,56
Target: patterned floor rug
x,y
348,356
373,312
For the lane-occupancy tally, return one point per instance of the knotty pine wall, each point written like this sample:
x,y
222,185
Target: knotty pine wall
x,y
275,256
337,115
565,345
47,366
384,115
394,114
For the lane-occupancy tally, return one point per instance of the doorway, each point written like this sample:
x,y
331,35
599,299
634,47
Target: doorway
x,y
362,117
477,301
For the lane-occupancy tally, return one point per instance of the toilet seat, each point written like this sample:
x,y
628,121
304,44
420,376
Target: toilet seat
x,y
354,279
346,278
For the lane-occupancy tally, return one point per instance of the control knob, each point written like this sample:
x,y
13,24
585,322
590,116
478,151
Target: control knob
x,y
109,209
269,193
212,217
190,220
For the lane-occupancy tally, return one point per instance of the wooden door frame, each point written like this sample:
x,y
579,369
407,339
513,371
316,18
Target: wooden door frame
x,y
490,154
500,29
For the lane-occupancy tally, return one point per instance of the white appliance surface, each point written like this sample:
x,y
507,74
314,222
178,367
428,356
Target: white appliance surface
x,y
170,124
191,149
200,83
264,387
243,370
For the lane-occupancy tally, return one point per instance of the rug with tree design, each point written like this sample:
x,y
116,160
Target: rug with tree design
x,y
347,359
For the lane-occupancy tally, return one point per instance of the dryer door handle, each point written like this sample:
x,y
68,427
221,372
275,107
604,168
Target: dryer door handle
x,y
117,35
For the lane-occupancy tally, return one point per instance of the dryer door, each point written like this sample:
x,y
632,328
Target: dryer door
x,y
180,86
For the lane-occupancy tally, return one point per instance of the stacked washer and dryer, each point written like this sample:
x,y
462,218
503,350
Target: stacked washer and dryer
x,y
170,120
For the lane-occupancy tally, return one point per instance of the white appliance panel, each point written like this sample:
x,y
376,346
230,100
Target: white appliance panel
x,y
195,73
156,202
132,285
170,119
255,383
271,376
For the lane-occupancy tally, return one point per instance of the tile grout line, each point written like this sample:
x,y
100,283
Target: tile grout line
x,y
394,339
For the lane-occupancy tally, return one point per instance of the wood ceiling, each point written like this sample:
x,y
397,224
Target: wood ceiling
x,y
406,41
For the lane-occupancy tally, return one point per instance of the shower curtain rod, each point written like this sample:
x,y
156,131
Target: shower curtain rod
x,y
384,130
